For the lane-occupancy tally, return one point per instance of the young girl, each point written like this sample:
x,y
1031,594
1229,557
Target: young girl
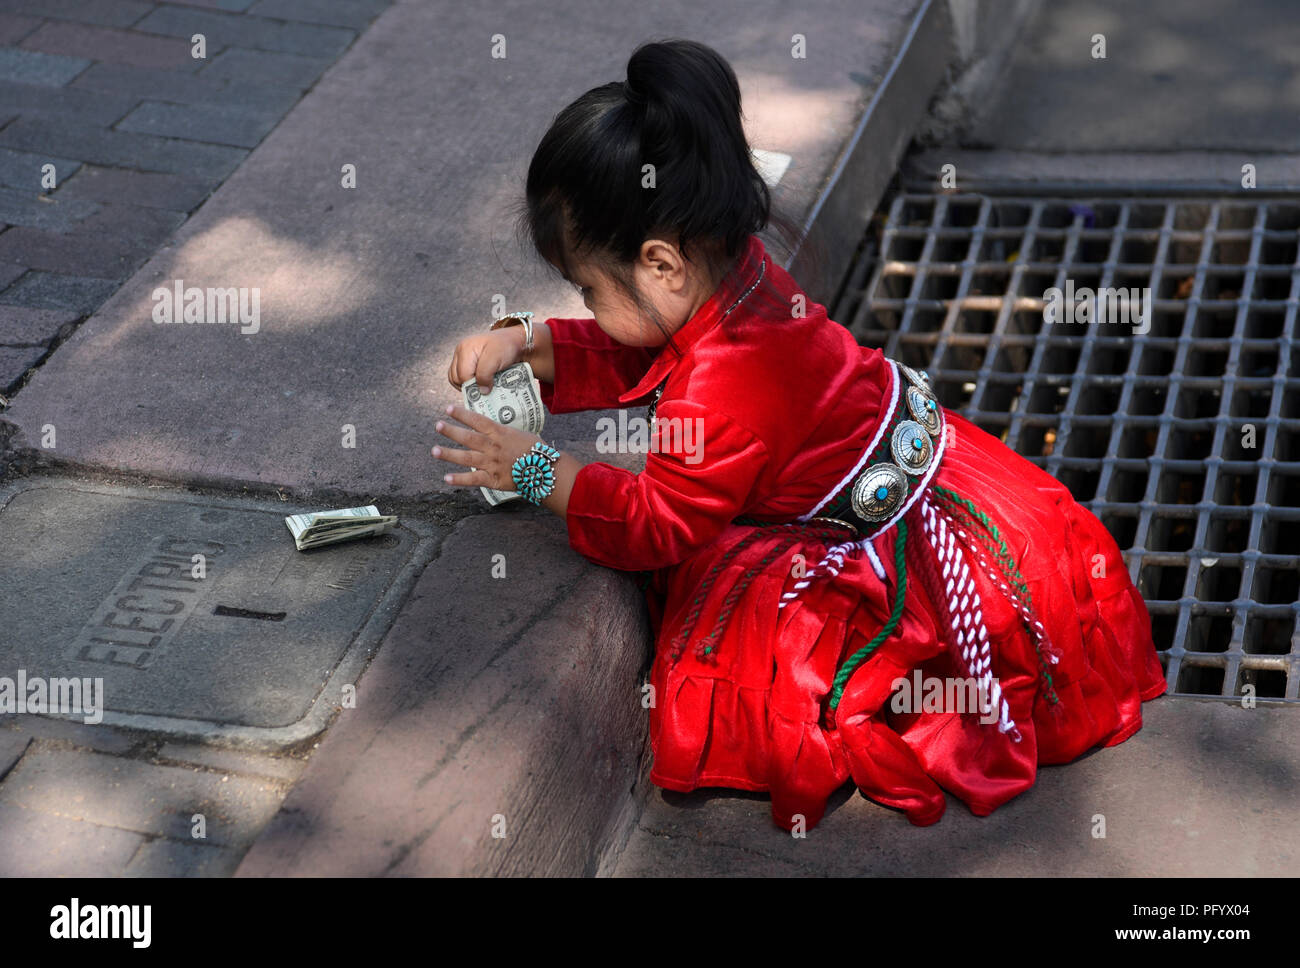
x,y
832,530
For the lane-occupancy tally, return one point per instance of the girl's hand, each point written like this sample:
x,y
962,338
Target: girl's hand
x,y
488,446
484,355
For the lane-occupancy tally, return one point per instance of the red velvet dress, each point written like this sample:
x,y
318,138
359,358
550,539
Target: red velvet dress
x,y
785,404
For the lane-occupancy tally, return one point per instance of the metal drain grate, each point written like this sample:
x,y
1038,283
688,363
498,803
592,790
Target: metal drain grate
x,y
1148,431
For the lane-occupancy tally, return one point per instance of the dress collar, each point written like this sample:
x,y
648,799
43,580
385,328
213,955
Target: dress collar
x,y
738,282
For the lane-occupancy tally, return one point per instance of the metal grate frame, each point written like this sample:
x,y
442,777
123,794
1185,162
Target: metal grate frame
x,y
1145,430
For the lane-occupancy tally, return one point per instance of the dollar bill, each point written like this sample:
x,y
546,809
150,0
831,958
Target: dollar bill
x,y
515,400
326,527
351,534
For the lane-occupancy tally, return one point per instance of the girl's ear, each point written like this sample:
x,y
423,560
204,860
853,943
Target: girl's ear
x,y
665,260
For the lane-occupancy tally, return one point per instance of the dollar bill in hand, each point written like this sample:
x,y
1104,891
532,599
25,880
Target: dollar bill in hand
x,y
515,400
326,527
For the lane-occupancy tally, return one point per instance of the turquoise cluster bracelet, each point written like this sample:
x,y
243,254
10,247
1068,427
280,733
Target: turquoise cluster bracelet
x,y
534,472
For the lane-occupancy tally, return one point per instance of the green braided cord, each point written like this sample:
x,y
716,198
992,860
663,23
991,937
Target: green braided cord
x,y
1010,572
851,666
1014,579
992,540
986,542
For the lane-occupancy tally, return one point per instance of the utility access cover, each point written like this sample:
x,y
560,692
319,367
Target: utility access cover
x,y
198,613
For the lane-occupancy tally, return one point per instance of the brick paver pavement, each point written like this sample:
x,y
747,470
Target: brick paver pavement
x,y
112,132
137,134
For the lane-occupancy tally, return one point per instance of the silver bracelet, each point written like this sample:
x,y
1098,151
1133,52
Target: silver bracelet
x,y
519,319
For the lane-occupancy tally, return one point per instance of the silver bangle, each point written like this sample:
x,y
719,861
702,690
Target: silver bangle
x,y
524,319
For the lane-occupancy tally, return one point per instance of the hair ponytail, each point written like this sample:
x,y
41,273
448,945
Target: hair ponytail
x,y
691,132
678,111
589,192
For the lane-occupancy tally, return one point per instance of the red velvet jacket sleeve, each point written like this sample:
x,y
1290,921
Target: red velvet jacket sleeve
x,y
686,495
591,368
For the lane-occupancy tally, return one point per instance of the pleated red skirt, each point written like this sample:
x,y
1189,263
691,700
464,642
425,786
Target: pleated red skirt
x,y
753,715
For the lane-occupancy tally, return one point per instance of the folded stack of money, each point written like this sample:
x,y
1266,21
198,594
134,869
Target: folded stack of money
x,y
515,400
326,527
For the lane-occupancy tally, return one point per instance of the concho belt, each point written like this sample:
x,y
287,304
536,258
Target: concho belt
x,y
898,463
893,475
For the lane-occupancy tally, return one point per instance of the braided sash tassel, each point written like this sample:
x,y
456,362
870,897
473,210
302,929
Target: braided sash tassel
x,y
971,635
1037,634
926,569
984,542
829,567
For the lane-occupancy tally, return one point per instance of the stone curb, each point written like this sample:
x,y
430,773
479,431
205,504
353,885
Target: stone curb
x,y
499,731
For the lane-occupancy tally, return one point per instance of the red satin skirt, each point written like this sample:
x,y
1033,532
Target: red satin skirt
x,y
752,715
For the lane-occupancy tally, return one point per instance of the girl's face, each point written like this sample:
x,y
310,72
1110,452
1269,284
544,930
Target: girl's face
x,y
664,279
614,310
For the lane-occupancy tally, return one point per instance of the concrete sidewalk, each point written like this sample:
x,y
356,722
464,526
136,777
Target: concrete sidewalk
x,y
1205,789
516,698
1187,93
365,291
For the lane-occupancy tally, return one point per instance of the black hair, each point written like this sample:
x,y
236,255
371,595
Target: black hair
x,y
679,110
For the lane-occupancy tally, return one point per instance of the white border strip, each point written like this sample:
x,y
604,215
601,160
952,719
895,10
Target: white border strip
x,y
925,480
871,447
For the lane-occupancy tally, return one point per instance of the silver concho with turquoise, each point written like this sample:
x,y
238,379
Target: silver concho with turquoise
x,y
918,378
925,408
912,447
878,492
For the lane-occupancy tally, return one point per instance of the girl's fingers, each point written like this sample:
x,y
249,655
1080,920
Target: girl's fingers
x,y
461,361
462,435
475,479
453,371
465,479
475,420
456,456
485,372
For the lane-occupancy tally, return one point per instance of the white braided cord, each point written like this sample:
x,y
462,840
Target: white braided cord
x,y
830,565
966,610
1037,633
